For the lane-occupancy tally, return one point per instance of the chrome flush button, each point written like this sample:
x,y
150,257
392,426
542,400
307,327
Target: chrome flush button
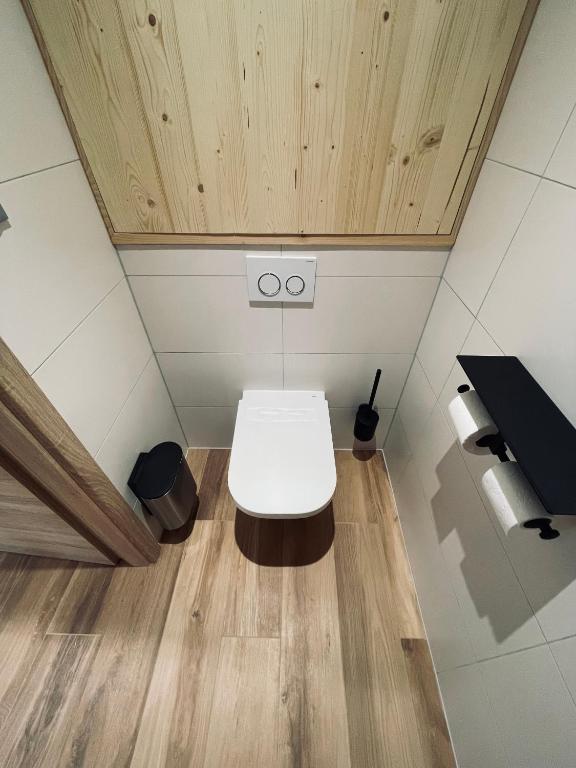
x,y
295,285
269,284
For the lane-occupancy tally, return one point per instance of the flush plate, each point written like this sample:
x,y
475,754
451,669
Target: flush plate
x,y
273,278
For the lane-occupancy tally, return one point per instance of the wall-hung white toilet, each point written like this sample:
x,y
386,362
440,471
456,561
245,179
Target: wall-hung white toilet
x,y
282,462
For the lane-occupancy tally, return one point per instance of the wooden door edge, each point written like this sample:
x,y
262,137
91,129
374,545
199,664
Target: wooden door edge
x,y
35,437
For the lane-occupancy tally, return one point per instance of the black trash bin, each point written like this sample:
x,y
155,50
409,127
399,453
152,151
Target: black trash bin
x,y
163,482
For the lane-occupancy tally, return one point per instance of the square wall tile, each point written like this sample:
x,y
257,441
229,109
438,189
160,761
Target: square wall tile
x,y
34,133
56,259
562,166
218,379
397,452
366,262
361,314
146,419
208,427
184,260
205,314
347,379
543,91
447,327
342,423
89,377
498,203
530,310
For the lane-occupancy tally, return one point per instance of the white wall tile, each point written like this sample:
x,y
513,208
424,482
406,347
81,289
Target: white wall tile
x,y
361,314
446,629
530,310
543,91
562,166
56,259
497,614
383,262
447,327
34,133
510,712
218,379
532,708
397,451
473,728
416,404
184,260
146,419
208,427
564,652
500,198
205,314
342,423
89,377
347,378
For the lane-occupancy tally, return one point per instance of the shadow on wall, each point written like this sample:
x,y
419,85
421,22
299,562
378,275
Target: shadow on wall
x,y
544,568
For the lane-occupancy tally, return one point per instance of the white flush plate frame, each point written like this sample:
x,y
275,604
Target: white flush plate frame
x,y
285,267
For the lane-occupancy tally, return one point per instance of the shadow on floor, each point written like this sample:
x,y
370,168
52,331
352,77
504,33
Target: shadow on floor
x,y
285,543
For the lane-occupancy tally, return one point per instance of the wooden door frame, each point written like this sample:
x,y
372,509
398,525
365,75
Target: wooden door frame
x,y
42,452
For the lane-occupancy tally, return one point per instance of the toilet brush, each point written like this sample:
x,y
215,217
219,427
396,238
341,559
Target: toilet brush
x,y
366,417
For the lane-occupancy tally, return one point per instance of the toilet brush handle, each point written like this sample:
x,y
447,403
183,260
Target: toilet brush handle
x,y
375,387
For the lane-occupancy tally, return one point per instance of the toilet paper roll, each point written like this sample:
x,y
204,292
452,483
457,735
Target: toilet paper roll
x,y
472,420
512,497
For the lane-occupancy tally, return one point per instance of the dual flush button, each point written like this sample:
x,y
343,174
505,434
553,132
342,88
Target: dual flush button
x,y
269,284
276,279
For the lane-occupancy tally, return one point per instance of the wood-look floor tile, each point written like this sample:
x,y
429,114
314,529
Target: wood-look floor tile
x,y
430,720
176,716
30,588
196,459
215,500
130,619
380,708
83,600
254,602
45,711
363,490
244,717
313,723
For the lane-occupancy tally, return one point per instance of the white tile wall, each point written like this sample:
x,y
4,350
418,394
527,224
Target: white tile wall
x,y
56,259
205,314
347,378
34,134
147,418
511,600
369,311
213,379
361,314
65,307
90,375
542,93
499,200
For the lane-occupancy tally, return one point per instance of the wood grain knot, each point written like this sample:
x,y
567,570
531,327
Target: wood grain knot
x,y
405,159
200,187
386,15
151,203
152,20
431,138
164,117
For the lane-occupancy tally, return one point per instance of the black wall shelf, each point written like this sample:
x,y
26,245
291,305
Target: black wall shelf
x,y
541,438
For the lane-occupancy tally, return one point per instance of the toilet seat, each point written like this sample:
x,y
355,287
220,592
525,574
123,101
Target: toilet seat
x,y
282,462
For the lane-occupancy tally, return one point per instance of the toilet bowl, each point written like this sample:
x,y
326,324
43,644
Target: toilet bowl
x,y
282,462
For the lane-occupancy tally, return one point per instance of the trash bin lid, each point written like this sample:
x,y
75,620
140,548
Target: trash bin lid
x,y
157,471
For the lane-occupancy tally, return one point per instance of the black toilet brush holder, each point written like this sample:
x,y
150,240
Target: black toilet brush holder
x,y
366,416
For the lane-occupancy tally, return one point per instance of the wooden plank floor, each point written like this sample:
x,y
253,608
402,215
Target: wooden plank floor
x,y
250,643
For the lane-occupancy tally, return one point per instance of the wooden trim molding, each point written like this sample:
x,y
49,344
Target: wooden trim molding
x,y
397,241
40,449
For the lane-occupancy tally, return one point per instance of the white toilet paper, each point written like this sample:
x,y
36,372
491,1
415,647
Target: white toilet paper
x,y
512,497
472,420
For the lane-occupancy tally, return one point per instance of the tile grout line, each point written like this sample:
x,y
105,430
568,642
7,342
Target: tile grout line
x,y
77,326
40,170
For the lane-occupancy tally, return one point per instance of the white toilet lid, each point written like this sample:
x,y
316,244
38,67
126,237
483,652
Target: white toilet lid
x,y
282,463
